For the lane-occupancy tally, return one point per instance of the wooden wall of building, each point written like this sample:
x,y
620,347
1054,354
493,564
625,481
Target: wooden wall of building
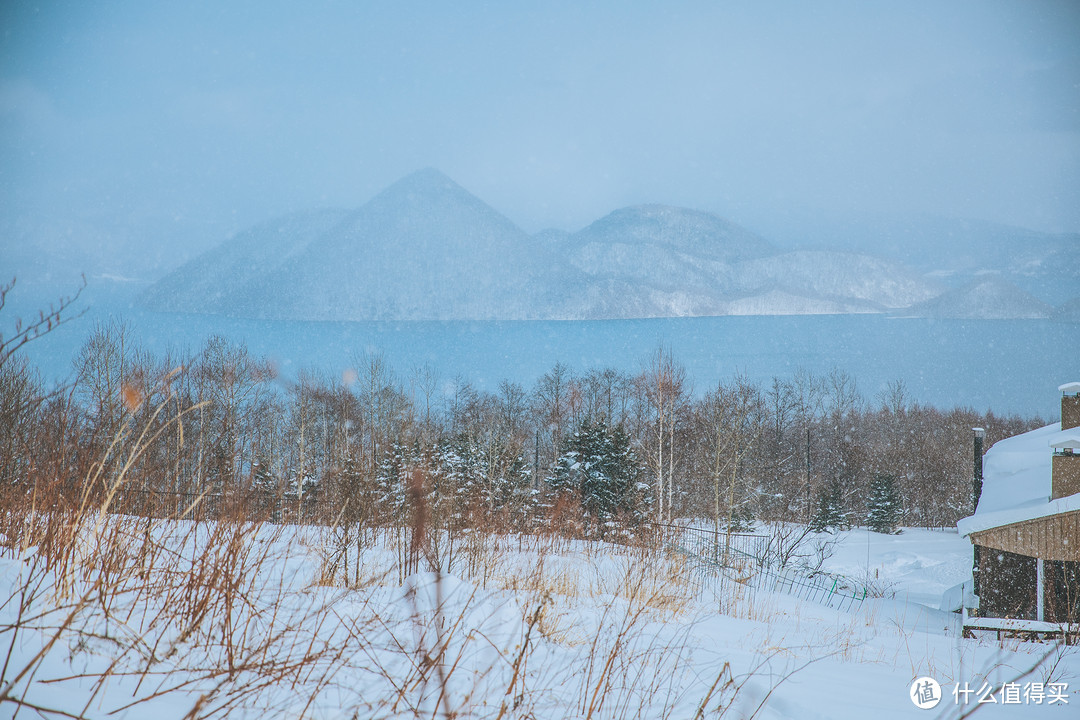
x,y
1052,538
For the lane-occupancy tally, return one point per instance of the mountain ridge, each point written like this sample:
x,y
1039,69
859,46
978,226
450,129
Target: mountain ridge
x,y
989,298
425,248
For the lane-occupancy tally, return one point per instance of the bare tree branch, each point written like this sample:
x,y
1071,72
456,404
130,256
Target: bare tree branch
x,y
46,321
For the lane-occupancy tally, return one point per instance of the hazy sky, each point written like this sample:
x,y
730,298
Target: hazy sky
x,y
222,113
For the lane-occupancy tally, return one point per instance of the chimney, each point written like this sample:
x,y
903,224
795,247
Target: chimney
x,y
1065,469
976,493
977,483
1070,405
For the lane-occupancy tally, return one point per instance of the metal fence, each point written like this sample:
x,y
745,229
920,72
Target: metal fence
x,y
718,547
833,591
724,562
248,505
727,562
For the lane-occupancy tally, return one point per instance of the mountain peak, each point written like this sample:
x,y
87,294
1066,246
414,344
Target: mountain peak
x,y
694,231
426,177
427,182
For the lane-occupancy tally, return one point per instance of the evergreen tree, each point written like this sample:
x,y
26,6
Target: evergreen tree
x,y
303,486
601,465
389,495
742,518
883,504
266,485
481,475
263,478
453,476
831,514
358,494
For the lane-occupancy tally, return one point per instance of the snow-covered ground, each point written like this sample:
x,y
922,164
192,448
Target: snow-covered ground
x,y
515,627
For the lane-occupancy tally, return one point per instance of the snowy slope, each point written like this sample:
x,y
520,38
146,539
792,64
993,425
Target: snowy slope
x,y
990,298
783,302
546,631
218,280
426,249
844,277
423,249
694,263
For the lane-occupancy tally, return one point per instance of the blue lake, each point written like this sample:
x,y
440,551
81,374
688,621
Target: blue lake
x,y
1006,366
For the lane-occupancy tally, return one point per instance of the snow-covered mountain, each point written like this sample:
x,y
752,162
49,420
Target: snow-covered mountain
x,y
423,249
1068,311
426,249
989,298
691,232
852,278
694,263
682,258
959,251
220,280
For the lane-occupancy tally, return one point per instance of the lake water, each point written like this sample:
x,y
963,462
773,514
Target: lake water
x,y
1006,366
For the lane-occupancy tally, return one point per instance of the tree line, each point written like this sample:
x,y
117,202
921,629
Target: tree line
x,y
594,450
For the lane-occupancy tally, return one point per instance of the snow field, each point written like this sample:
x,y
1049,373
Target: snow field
x,y
172,619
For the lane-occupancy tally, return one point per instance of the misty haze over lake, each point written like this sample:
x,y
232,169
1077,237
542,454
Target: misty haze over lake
x,y
911,160
528,360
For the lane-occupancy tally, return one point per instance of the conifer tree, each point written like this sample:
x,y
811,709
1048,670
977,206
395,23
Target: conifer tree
x,y
482,475
742,518
883,504
831,514
600,463
390,482
263,478
266,485
357,493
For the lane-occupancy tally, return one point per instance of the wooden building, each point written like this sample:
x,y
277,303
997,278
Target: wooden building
x,y
1026,530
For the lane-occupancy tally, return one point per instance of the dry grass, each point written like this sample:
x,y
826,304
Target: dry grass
x,y
240,614
165,606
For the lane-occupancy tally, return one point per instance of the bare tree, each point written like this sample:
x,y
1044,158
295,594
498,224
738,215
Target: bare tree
x,y
781,449
552,398
663,385
513,411
606,394
735,412
376,388
424,381
46,321
236,387
21,395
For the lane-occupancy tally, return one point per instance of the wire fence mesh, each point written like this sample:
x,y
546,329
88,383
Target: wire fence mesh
x,y
248,504
739,563
729,564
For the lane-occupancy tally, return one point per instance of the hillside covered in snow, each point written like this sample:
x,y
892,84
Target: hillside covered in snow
x,y
427,249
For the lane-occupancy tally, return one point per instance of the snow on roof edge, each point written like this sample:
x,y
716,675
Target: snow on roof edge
x,y
1017,471
1066,439
999,518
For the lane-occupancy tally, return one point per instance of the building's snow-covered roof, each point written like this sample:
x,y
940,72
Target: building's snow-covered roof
x,y
1066,439
985,521
1070,388
1017,483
